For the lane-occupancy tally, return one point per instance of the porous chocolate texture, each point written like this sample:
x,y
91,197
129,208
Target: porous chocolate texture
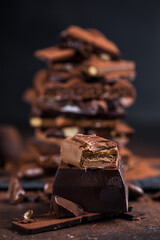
x,y
89,151
100,190
76,90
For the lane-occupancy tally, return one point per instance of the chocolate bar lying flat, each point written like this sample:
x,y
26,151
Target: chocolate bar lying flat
x,y
89,151
95,67
100,190
54,54
76,89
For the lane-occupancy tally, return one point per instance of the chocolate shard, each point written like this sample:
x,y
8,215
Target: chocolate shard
x,y
87,41
134,191
48,188
133,215
99,190
54,54
65,208
89,151
15,192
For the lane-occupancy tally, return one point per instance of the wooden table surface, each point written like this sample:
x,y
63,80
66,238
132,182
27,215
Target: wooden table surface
x,y
146,143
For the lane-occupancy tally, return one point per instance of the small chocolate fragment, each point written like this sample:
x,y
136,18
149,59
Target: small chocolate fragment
x,y
134,191
48,188
30,170
15,192
65,208
89,151
99,190
133,216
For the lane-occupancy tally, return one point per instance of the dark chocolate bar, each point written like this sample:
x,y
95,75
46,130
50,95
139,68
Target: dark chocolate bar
x,y
100,190
89,151
63,71
95,67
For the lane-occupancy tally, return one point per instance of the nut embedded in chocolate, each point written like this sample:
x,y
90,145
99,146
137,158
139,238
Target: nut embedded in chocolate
x,y
89,151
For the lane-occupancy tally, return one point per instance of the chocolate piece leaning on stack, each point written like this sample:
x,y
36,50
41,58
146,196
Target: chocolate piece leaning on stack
x,y
91,175
86,89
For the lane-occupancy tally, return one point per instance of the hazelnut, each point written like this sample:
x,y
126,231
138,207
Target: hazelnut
x,y
105,57
36,122
70,131
92,71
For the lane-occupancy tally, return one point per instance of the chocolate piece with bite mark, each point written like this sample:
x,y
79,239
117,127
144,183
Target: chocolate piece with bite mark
x,y
89,151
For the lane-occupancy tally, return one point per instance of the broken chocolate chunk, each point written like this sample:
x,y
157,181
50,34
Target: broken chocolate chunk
x,y
89,151
99,190
134,191
15,192
133,215
65,208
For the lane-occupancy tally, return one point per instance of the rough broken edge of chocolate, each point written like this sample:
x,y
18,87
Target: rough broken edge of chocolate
x,y
72,208
133,216
46,222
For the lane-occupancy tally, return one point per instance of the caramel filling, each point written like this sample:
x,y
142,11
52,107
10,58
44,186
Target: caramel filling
x,y
101,159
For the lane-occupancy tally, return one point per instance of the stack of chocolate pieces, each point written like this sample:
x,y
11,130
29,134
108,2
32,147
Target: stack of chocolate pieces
x,y
85,89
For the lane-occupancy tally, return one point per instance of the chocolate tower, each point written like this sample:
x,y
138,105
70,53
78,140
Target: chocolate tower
x,y
85,89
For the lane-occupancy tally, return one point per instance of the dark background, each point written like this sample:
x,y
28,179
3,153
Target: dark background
x,y
30,25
